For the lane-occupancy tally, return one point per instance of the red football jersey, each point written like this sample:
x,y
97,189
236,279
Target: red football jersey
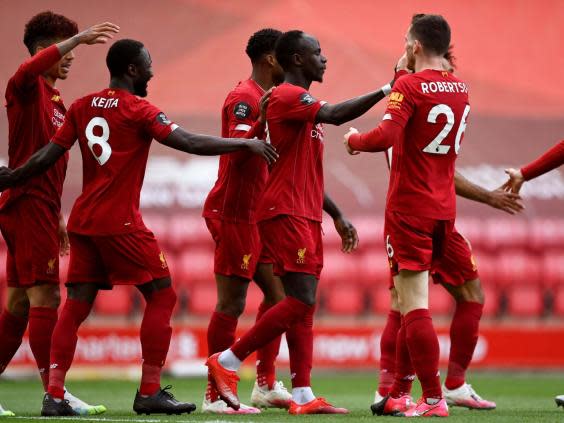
x,y
242,175
114,129
35,112
295,183
432,107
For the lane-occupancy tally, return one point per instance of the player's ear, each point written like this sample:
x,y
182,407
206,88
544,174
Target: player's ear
x,y
297,59
132,70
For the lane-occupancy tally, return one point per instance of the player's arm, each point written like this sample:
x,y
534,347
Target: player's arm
x,y
41,160
380,138
550,160
498,198
208,145
44,59
337,114
345,228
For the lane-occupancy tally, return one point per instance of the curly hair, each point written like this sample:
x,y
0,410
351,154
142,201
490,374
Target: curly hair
x,y
262,42
47,27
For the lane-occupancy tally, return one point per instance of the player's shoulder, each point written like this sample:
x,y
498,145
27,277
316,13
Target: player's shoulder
x,y
290,93
247,89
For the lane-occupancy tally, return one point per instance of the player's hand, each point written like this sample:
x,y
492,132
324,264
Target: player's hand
x,y
263,104
346,141
509,202
402,63
267,151
6,179
348,234
64,243
515,180
97,34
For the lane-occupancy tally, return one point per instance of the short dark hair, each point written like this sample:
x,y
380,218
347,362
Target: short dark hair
x,y
287,45
46,27
432,31
262,42
121,54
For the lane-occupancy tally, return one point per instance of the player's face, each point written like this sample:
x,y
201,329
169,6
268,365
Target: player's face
x,y
409,46
144,73
61,69
313,62
276,69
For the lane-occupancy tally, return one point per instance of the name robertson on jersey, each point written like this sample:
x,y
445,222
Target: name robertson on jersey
x,y
104,103
443,87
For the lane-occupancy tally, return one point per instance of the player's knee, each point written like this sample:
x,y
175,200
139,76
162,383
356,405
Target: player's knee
x,y
233,307
18,305
166,297
45,295
472,292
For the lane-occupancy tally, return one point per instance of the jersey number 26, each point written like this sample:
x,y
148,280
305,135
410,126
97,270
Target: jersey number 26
x,y
435,147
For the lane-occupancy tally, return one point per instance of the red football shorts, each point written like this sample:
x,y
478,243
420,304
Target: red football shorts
x,y
30,228
413,242
127,259
237,247
458,264
294,244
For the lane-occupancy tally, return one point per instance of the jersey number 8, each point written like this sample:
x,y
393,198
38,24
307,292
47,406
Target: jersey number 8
x,y
100,140
435,147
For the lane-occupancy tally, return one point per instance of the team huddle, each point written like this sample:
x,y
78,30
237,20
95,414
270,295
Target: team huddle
x,y
264,214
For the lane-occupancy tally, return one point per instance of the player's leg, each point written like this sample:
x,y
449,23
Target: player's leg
x,y
421,338
13,322
156,333
44,300
267,391
464,332
77,307
457,272
388,341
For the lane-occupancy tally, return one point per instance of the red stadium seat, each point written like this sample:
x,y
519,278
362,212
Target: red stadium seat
x,y
506,232
491,306
159,225
547,234
558,300
380,298
340,268
440,301
346,299
370,231
202,298
553,268
525,300
373,269
117,302
194,266
518,268
189,231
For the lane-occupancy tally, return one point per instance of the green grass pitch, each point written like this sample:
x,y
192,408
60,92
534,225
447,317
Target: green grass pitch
x,y
520,398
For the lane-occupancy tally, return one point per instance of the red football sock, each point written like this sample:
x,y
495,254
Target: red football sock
x,y
12,329
63,343
423,347
155,337
221,335
463,338
300,345
42,321
273,323
388,342
404,374
266,356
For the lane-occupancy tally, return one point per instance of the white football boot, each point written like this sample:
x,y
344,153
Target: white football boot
x,y
466,396
277,397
